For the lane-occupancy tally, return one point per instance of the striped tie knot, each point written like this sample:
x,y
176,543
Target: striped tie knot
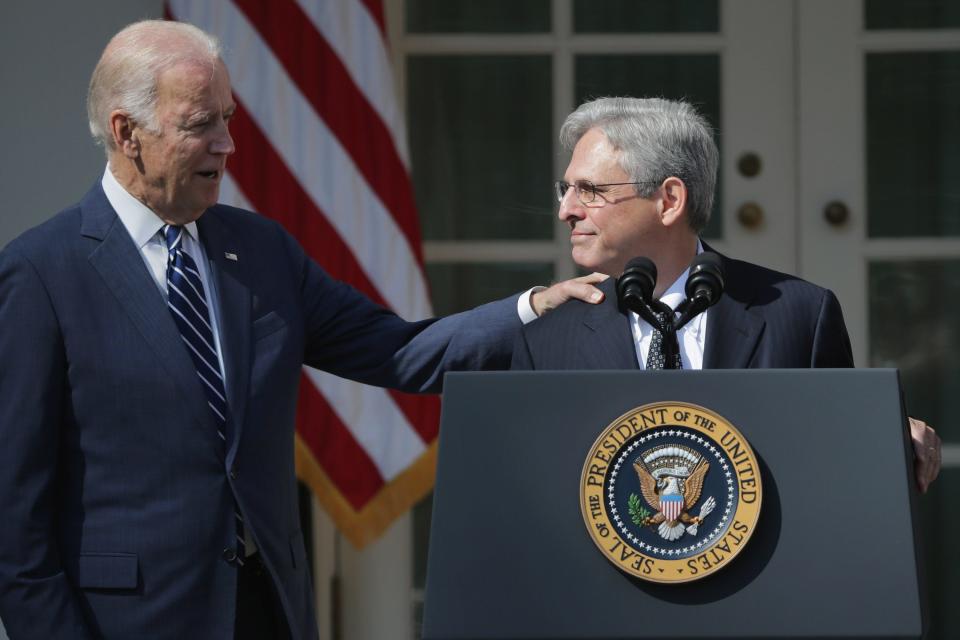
x,y
172,234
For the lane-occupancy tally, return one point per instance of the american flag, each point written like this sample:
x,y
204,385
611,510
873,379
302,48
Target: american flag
x,y
321,148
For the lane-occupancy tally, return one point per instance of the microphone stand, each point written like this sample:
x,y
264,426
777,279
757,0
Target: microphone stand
x,y
688,310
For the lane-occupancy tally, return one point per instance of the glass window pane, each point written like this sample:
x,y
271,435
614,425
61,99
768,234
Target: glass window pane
x,y
481,141
911,14
457,287
940,521
645,16
915,326
913,144
469,16
694,78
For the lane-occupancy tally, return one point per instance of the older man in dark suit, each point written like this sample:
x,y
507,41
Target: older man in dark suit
x,y
641,182
152,343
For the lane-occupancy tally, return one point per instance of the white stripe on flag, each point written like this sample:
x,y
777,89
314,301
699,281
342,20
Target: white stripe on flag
x,y
315,157
355,37
374,420
232,194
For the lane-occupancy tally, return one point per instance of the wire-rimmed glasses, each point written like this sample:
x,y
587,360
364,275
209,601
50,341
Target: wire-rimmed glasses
x,y
587,192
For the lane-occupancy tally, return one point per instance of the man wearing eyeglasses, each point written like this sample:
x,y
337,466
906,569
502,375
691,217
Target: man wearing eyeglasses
x,y
641,182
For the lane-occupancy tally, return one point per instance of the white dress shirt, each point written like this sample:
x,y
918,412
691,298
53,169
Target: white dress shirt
x,y
692,336
525,305
144,226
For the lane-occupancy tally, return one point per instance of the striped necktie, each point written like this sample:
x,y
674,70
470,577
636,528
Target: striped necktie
x,y
188,305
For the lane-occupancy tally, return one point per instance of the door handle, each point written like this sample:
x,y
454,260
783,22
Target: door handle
x,y
836,213
750,215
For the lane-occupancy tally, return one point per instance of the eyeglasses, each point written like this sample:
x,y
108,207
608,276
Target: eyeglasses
x,y
587,192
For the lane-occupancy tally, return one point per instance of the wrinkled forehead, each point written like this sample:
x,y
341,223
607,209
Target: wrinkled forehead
x,y
195,82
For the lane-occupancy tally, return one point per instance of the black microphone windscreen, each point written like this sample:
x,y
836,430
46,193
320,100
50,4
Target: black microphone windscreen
x,y
709,260
636,284
643,264
706,279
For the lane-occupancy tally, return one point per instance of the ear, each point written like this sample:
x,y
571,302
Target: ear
x,y
125,134
673,202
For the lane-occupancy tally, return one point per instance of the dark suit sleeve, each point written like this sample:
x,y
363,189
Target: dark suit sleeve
x,y
348,335
831,344
36,599
522,360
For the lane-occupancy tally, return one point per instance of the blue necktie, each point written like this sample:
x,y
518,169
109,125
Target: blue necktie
x,y
188,305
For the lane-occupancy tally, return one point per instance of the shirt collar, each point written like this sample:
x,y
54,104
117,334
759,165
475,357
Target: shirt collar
x,y
140,221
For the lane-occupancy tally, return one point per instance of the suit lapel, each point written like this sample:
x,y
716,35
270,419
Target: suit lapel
x,y
119,262
226,274
609,343
732,331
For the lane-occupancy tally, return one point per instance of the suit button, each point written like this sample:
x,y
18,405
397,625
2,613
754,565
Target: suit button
x,y
230,555
233,473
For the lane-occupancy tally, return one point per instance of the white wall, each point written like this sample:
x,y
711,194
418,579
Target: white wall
x,y
47,52
48,49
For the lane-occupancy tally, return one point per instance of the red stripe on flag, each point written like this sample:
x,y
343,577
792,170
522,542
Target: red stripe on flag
x,y
324,80
346,463
375,8
267,182
422,412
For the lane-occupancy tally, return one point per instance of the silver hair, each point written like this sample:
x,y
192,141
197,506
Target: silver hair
x,y
656,139
126,76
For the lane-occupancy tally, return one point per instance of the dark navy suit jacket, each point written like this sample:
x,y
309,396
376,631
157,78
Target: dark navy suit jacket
x,y
116,495
764,319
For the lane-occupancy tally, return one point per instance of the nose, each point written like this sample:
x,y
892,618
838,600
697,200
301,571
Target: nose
x,y
570,206
223,143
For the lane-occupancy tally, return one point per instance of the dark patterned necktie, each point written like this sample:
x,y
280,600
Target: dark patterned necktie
x,y
657,355
188,305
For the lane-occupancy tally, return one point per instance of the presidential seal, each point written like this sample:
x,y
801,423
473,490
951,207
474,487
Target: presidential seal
x,y
670,492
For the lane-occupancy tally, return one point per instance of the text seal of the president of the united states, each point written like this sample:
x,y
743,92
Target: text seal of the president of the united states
x,y
670,492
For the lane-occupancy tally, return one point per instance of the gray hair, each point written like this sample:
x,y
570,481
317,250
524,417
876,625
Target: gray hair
x,y
657,139
128,71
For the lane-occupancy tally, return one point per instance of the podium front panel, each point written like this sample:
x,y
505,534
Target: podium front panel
x,y
834,553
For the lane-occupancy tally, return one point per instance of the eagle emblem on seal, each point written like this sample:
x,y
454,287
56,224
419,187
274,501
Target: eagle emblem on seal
x,y
671,480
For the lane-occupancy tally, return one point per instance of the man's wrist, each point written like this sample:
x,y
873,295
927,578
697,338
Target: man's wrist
x,y
525,305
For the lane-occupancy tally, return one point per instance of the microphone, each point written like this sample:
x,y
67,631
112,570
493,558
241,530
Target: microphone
x,y
704,286
635,288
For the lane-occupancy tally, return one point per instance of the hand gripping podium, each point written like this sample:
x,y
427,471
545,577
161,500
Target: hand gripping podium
x,y
834,552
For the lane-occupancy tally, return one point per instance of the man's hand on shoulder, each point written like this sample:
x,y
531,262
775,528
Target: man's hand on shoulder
x,y
926,453
581,288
